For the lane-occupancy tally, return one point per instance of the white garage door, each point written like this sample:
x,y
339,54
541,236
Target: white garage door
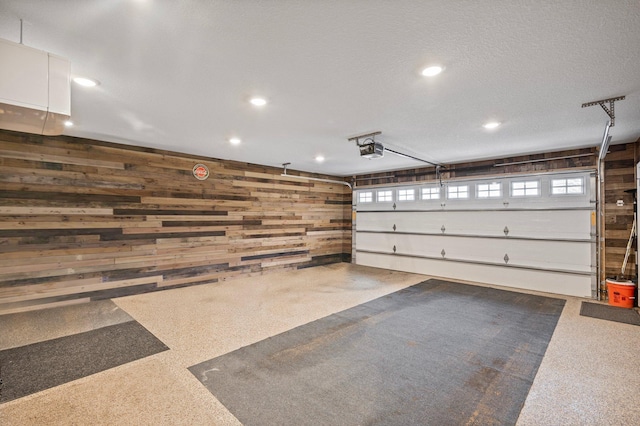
x,y
535,232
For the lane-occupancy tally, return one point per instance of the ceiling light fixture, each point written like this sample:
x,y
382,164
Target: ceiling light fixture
x,y
432,71
235,141
319,158
86,82
258,101
491,125
68,123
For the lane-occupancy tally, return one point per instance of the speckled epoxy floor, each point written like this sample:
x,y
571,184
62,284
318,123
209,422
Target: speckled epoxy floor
x,y
590,374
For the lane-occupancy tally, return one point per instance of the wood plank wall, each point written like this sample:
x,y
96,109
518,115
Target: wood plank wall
x,y
562,160
82,220
619,177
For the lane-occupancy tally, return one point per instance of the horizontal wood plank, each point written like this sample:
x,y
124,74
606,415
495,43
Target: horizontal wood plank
x,y
83,219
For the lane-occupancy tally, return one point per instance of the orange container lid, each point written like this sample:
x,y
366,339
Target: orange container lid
x,y
628,283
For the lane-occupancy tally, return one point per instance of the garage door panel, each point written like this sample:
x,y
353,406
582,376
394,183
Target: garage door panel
x,y
541,238
563,255
560,224
540,280
378,242
569,224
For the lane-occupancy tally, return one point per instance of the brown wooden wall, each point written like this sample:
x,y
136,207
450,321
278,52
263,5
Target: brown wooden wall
x,y
620,177
82,220
579,158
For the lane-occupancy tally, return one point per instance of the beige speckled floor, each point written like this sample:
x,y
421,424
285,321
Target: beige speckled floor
x,y
590,374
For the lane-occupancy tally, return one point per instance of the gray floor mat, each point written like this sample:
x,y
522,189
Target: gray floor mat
x,y
434,353
39,366
610,313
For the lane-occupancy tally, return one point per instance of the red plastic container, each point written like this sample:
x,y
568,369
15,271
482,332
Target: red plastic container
x,y
622,294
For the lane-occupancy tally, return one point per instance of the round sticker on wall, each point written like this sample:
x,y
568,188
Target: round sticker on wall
x,y
200,171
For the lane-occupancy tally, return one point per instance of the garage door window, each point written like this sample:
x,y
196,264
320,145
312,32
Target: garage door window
x,y
406,194
458,192
489,190
567,186
385,196
529,188
365,197
431,193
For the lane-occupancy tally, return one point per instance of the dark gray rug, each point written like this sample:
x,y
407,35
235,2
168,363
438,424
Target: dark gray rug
x,y
436,353
39,366
610,313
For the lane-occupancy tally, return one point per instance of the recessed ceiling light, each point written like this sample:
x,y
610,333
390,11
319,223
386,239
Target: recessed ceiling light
x,y
491,125
86,82
235,141
319,158
431,71
68,123
258,101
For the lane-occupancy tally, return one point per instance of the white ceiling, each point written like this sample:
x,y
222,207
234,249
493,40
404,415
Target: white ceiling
x,y
177,75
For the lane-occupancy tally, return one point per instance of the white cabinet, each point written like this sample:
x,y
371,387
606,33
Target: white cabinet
x,y
35,91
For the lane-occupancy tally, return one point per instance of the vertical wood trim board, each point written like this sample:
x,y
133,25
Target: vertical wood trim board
x,y
86,220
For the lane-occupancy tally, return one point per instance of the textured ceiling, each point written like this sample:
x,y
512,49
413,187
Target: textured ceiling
x,y
177,75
